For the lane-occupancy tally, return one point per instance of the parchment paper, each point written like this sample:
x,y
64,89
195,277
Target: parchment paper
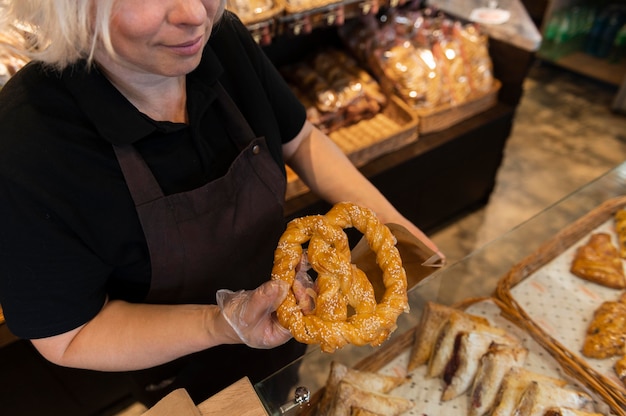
x,y
418,260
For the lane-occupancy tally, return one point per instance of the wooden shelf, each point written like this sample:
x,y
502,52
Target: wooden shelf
x,y
593,67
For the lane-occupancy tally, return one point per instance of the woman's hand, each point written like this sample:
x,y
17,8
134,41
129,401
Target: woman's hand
x,y
328,172
251,314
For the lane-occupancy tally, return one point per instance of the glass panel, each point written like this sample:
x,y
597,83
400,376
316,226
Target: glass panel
x,y
474,276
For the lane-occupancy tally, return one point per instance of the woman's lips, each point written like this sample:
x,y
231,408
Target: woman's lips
x,y
188,48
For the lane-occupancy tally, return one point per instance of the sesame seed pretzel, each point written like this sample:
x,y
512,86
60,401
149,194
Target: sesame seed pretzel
x,y
340,283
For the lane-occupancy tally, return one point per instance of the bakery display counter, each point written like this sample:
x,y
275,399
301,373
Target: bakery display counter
x,y
474,277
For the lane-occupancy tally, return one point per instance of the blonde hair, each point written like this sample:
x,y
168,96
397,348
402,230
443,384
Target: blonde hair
x,y
58,32
61,32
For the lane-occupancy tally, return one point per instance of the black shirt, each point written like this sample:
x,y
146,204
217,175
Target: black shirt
x,y
69,232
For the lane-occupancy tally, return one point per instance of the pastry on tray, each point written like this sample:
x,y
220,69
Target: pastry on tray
x,y
606,334
492,368
462,367
487,364
599,261
444,347
433,318
540,396
350,398
348,390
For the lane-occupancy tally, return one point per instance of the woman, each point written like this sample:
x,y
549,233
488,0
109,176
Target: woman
x,y
142,170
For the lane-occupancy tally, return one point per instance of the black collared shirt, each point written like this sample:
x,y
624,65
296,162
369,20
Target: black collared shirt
x,y
69,232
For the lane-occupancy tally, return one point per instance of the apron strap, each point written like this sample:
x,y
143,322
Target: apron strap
x,y
144,187
238,128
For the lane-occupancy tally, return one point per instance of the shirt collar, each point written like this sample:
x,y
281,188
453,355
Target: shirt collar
x,y
115,118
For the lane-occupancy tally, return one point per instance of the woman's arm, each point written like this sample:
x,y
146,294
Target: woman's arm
x,y
327,171
126,336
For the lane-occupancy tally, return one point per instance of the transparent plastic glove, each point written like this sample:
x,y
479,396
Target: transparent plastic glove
x,y
251,314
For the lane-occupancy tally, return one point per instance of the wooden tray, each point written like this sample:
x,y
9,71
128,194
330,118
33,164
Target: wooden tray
x,y
445,116
547,271
391,129
392,358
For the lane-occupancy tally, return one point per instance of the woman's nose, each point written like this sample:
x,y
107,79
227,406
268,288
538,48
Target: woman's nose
x,y
188,12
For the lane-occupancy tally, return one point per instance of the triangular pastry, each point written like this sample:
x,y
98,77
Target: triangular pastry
x,y
444,345
492,368
538,397
365,382
350,397
515,382
433,318
462,368
598,261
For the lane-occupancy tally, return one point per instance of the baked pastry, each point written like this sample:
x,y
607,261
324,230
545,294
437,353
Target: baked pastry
x,y
350,397
433,318
443,349
348,390
538,397
606,334
342,287
470,354
469,347
514,384
598,261
492,368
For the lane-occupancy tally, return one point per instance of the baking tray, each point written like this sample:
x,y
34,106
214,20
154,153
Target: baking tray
x,y
391,129
393,358
543,297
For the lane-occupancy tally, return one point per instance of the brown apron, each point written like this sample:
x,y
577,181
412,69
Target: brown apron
x,y
221,235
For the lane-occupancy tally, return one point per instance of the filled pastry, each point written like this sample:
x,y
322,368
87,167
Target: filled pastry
x,y
598,261
492,368
353,392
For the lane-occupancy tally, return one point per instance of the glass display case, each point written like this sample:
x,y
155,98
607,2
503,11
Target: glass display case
x,y
475,276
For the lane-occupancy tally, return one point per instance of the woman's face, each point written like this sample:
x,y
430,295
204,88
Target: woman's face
x,y
159,37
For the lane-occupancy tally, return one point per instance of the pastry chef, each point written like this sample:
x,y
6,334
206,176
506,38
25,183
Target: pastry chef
x,y
142,181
